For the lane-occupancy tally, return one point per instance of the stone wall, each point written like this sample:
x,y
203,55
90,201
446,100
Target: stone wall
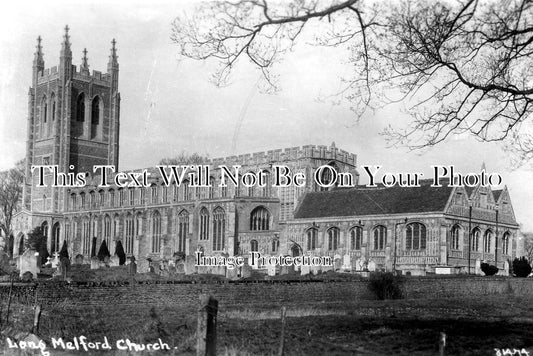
x,y
260,295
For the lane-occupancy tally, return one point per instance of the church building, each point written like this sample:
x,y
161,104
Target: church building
x,y
74,121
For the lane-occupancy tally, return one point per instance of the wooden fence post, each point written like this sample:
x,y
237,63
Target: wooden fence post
x,y
282,337
442,343
206,337
36,317
9,300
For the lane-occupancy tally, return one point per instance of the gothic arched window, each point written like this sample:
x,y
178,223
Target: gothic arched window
x,y
312,239
92,199
183,229
456,233
260,219
131,196
72,201
44,110
55,239
275,245
487,241
204,224
154,192
186,190
111,198
474,243
333,238
107,230
156,232
327,176
86,237
101,200
82,200
219,226
53,101
254,246
415,236
505,243
116,225
130,233
211,191
380,237
356,238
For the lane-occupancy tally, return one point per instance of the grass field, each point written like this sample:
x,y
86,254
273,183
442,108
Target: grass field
x,y
473,326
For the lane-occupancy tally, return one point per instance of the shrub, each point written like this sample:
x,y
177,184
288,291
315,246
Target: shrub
x,y
37,242
385,285
521,267
103,252
119,251
489,270
64,251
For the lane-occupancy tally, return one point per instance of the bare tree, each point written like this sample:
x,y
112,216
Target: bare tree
x,y
185,158
463,66
528,246
10,196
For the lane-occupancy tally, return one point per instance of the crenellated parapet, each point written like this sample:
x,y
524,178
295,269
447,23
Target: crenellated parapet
x,y
289,154
96,77
47,75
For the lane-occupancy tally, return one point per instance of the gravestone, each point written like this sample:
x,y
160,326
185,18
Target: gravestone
x,y
27,276
28,263
506,268
359,264
316,270
246,271
347,263
172,269
95,263
132,268
64,266
371,266
232,274
55,260
114,261
478,267
78,260
304,270
271,270
180,267
337,264
190,265
4,262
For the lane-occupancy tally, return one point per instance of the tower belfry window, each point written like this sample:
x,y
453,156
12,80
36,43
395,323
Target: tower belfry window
x,y
53,103
80,108
44,108
95,112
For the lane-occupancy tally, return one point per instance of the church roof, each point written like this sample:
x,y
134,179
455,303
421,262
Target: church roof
x,y
469,190
497,194
373,201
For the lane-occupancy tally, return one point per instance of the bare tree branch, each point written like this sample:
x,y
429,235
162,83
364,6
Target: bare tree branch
x,y
463,66
10,197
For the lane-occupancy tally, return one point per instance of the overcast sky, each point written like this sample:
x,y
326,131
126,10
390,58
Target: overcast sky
x,y
169,105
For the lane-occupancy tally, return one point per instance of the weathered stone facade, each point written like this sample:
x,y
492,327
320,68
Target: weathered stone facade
x,y
412,229
73,122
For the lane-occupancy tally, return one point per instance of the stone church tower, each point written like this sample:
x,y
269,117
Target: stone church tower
x,y
73,122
